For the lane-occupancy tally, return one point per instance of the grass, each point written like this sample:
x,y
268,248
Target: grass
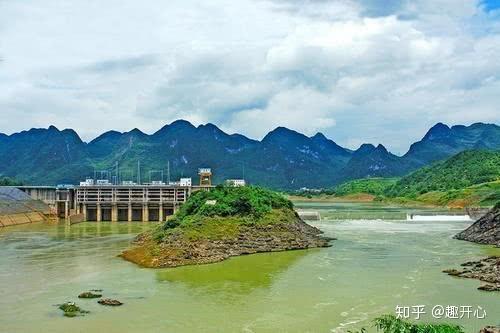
x,y
391,324
220,227
374,186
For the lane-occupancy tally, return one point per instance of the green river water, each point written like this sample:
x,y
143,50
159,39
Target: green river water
x,y
373,266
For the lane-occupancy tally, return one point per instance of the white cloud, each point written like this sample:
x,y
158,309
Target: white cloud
x,y
357,70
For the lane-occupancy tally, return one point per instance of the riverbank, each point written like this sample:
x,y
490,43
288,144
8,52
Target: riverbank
x,y
218,238
486,270
17,208
486,230
428,200
363,198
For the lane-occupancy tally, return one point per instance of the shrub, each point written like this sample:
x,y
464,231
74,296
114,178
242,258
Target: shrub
x,y
249,201
391,324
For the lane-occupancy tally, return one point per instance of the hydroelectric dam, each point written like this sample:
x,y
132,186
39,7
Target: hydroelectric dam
x,y
100,200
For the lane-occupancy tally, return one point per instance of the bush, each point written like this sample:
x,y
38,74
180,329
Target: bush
x,y
391,324
249,201
458,172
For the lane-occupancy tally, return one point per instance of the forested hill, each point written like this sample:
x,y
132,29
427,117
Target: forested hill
x,y
284,159
463,170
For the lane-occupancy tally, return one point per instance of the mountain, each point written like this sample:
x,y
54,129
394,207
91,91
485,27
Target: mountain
x,y
442,141
463,170
283,159
44,155
371,161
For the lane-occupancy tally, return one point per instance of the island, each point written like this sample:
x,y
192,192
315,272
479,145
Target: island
x,y
221,223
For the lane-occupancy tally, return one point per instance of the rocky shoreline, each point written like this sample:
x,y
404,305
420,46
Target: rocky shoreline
x,y
486,270
177,250
486,230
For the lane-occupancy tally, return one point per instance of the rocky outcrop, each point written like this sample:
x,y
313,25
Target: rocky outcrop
x,y
89,294
109,302
70,309
486,230
490,329
178,250
486,270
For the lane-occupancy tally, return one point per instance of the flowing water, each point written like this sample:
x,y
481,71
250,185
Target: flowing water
x,y
373,266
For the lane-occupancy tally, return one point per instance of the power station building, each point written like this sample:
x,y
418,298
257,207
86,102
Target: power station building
x,y
101,200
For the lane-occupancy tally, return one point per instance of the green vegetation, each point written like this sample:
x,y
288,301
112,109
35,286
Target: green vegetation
x,y
462,170
468,178
7,181
231,201
391,324
219,213
375,186
70,309
284,159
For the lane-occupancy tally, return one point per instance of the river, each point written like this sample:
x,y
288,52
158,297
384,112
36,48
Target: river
x,y
373,266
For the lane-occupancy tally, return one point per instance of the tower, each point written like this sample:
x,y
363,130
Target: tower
x,y
205,176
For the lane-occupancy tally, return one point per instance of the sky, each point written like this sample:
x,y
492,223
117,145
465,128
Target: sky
x,y
356,70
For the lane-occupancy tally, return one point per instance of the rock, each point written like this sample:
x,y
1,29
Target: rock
x,y
175,251
489,287
452,272
486,270
486,230
70,309
490,329
89,294
468,263
110,302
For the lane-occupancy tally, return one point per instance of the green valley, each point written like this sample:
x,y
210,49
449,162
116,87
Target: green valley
x,y
470,178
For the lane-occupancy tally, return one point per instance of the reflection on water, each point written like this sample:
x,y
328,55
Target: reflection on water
x,y
371,267
233,278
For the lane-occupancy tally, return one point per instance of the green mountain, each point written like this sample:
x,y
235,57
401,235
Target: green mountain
x,y
284,159
374,186
371,161
442,141
462,170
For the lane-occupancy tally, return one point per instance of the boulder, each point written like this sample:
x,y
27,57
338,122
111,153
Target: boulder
x,y
110,302
486,230
89,294
70,309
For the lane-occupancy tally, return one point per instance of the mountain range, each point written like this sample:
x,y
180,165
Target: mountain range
x,y
283,159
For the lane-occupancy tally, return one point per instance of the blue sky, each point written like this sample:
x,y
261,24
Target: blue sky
x,y
491,4
356,70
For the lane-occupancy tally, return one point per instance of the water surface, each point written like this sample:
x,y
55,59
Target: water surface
x,y
373,266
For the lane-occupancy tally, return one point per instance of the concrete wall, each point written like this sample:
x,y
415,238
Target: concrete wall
x,y
21,218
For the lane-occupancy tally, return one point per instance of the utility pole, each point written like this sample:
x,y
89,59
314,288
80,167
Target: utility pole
x,y
168,172
117,174
138,172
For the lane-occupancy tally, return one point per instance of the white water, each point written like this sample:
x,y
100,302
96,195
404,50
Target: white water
x,y
464,218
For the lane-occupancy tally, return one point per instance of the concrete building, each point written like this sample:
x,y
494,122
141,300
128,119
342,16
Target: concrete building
x,y
205,176
235,182
101,200
185,182
129,202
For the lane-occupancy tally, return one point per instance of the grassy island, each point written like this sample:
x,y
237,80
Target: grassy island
x,y
226,221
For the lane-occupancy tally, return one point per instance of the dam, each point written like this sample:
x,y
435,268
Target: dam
x,y
101,200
